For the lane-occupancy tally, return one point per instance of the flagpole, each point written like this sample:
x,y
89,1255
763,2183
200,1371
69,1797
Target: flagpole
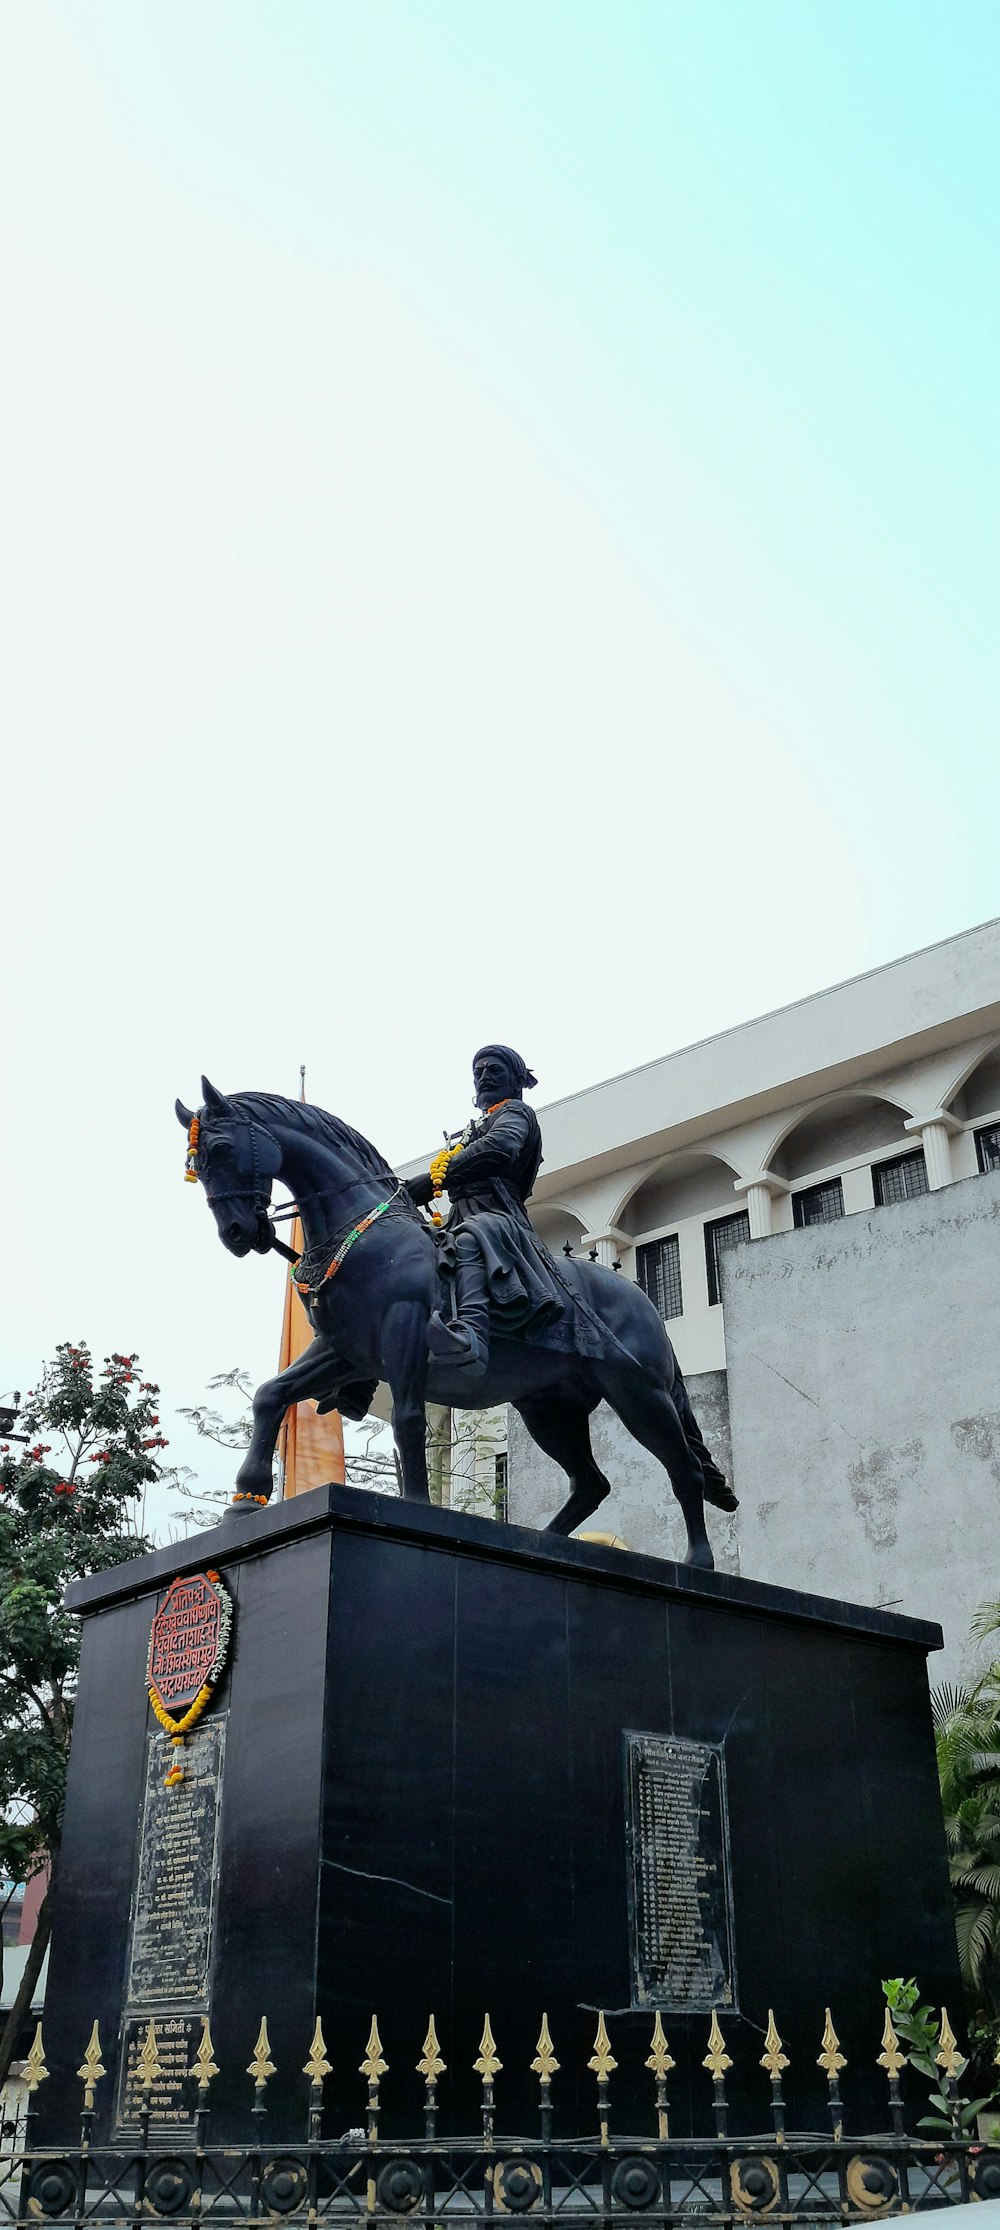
x,y
311,1447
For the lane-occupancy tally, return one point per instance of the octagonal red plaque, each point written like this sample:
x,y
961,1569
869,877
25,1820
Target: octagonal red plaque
x,y
188,1642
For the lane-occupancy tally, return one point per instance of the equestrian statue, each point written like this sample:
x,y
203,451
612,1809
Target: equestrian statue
x,y
467,1311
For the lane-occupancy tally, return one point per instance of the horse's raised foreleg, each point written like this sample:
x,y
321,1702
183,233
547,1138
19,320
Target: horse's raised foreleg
x,y
404,1366
562,1429
316,1373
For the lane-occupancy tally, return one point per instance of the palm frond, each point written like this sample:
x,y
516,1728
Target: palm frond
x,y
948,1702
974,1932
985,1621
985,1880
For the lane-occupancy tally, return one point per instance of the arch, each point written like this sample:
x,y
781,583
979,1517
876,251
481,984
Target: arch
x,y
976,1090
555,1224
686,1184
844,1126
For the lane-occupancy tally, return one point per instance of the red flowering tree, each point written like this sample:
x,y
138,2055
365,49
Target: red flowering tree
x,y
71,1502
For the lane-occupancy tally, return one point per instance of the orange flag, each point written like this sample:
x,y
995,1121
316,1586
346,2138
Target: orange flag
x,y
311,1447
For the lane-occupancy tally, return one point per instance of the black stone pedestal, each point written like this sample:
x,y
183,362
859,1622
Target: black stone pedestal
x,y
459,1768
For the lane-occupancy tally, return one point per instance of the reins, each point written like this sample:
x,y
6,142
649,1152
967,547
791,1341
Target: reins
x,y
267,1240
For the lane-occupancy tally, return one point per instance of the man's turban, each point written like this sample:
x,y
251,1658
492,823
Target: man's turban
x,y
520,1074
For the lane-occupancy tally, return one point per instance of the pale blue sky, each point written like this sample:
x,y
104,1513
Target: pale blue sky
x,y
499,540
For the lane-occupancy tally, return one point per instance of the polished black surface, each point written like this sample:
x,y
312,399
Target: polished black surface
x,y
239,1537
424,1811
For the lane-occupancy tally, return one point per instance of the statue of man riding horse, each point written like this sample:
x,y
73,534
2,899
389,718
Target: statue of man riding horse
x,y
467,1313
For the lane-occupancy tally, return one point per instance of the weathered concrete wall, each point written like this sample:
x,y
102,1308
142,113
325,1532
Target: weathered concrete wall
x,y
641,1507
864,1402
864,1392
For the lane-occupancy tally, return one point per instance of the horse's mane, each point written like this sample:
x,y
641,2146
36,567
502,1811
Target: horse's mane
x,y
269,1107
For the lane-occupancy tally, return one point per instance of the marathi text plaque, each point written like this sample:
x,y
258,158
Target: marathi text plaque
x,y
187,1642
680,1906
175,1893
173,2095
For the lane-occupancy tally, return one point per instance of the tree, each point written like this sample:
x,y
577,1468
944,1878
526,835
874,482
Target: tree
x,y
59,1520
208,1505
371,1463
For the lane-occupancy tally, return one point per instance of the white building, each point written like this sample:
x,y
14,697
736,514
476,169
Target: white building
x,y
856,1364
880,1089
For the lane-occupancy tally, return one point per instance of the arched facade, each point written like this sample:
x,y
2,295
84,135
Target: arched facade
x,y
685,1185
558,1227
873,1138
978,1094
848,1127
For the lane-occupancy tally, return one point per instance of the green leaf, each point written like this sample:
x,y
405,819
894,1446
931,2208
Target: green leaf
x,y
925,2065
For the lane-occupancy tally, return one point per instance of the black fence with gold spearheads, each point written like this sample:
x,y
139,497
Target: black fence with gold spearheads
x,y
929,2155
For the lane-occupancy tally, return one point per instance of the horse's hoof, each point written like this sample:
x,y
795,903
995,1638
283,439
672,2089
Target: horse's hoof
x,y
701,1559
246,1504
572,1514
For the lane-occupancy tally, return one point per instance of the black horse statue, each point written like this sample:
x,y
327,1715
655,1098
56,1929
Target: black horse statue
x,y
371,1281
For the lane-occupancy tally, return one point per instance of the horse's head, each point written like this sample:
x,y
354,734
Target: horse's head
x,y
236,1161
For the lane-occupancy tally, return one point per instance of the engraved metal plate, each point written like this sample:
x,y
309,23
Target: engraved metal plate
x,y
680,1898
175,1893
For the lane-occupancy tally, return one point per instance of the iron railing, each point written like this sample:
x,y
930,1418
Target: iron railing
x,y
813,2176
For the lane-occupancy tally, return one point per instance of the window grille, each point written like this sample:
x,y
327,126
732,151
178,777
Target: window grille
x,y
988,1147
901,1179
500,1487
658,1268
725,1232
818,1204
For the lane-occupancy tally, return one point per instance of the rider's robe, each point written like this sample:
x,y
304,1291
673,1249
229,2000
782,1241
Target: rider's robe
x,y
532,1298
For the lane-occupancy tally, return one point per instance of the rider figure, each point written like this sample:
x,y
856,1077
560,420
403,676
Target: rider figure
x,y
489,1248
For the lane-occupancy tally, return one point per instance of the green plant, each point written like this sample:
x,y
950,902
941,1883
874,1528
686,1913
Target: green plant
x,y
917,2027
967,1735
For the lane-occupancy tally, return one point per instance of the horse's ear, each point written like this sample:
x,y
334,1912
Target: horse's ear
x,y
184,1114
216,1102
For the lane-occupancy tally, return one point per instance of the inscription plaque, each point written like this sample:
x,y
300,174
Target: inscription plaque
x,y
175,1893
188,1641
172,2098
680,1903
172,1922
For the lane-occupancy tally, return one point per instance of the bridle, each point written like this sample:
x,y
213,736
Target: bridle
x,y
257,1192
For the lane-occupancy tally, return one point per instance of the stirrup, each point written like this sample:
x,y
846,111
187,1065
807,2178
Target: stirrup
x,y
458,1345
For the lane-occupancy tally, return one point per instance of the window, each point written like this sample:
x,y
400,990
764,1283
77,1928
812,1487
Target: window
x,y
818,1204
658,1268
988,1147
500,1487
901,1179
727,1231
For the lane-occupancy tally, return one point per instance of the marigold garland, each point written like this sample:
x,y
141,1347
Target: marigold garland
x,y
178,1728
446,1154
191,1157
